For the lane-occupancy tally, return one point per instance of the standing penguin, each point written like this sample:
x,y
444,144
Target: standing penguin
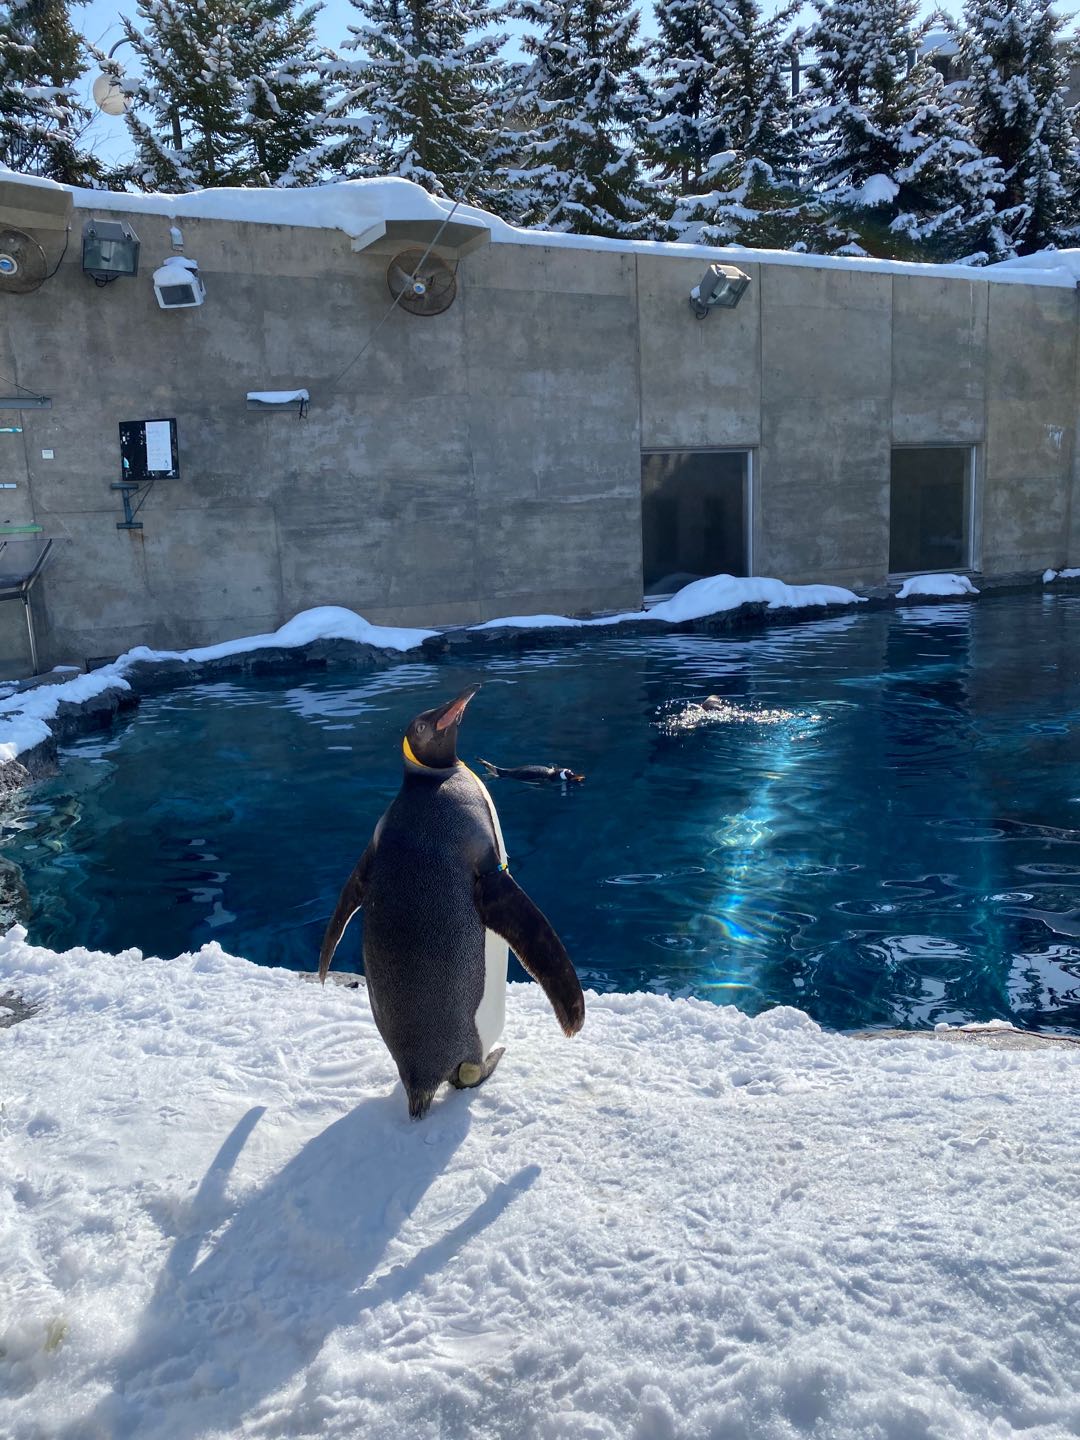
x,y
440,909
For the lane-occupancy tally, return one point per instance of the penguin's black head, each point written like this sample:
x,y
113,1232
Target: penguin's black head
x,y
431,739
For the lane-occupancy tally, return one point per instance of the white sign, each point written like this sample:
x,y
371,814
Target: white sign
x,y
158,446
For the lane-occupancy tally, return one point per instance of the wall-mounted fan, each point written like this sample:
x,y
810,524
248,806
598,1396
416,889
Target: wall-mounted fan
x,y
23,266
423,286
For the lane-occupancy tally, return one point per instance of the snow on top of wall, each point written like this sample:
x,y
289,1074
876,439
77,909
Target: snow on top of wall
x,y
1045,262
936,585
354,206
685,1222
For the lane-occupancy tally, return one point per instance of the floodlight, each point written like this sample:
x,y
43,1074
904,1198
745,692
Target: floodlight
x,y
110,250
721,287
177,284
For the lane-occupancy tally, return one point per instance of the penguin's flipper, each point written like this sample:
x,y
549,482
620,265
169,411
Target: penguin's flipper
x,y
491,769
349,902
505,908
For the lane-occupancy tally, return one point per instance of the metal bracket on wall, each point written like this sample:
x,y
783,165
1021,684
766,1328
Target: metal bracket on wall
x,y
127,489
25,402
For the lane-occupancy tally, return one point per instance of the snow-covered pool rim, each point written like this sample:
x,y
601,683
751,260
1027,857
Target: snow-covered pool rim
x,y
34,722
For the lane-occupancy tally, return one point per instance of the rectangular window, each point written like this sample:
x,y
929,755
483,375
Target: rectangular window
x,y
930,508
694,509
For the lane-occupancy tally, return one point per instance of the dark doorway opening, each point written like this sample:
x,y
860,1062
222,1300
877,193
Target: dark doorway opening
x,y
930,508
693,516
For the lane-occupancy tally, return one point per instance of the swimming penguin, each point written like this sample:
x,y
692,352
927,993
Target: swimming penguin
x,y
532,772
440,909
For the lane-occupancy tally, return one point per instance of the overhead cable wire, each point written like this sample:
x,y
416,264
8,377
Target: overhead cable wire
x,y
507,109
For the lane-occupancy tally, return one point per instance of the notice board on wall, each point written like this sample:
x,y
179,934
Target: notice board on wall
x,y
148,450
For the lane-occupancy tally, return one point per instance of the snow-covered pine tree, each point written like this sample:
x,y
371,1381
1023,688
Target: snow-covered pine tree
x,y
231,94
890,154
724,120
41,120
683,131
1017,72
419,101
579,168
721,82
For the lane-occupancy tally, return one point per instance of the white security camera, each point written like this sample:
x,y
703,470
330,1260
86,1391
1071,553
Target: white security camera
x,y
721,287
177,284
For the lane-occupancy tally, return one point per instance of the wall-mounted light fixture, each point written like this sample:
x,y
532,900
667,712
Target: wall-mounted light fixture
x,y
177,284
720,288
110,250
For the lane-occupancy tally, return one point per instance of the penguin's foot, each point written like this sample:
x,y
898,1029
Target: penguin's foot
x,y
469,1076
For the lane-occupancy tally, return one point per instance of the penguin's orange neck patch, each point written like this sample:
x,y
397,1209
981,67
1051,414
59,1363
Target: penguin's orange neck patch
x,y
410,756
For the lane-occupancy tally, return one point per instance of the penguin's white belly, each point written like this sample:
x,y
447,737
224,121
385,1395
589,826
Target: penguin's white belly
x,y
491,1012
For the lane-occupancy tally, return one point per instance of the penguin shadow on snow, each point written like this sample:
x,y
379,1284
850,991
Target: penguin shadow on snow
x,y
294,1262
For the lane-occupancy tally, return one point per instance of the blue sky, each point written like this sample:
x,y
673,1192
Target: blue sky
x,y
99,21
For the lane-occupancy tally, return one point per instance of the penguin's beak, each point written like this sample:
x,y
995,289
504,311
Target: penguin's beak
x,y
452,713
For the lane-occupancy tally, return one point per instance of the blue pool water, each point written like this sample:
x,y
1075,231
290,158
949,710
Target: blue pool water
x,y
884,829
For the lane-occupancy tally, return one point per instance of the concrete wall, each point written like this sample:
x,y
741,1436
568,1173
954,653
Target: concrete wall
x,y
487,461
820,372
482,462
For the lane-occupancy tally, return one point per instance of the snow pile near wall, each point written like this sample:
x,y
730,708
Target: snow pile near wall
x,y
216,1220
325,622
1050,575
709,596
936,585
23,715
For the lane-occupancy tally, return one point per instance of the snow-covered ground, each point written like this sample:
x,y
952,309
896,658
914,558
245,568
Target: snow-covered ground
x,y
216,1220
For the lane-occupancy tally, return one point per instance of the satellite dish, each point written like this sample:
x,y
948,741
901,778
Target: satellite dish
x,y
421,285
23,266
110,96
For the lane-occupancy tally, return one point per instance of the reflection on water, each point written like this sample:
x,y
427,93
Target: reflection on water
x,y
878,820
